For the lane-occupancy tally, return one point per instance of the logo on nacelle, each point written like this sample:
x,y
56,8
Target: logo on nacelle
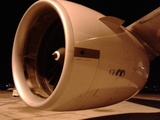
x,y
119,72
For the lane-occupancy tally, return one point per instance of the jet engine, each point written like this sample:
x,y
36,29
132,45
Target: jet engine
x,y
69,57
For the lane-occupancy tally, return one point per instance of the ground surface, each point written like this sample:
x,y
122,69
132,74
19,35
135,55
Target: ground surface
x,y
140,107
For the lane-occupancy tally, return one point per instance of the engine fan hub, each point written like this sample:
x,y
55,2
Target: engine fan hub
x,y
59,55
56,55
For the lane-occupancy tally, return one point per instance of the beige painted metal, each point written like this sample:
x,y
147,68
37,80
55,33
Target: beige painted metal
x,y
147,30
119,70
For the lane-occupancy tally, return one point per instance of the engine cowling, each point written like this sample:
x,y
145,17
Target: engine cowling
x,y
69,57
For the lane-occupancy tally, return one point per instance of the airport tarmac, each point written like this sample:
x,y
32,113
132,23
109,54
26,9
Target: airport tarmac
x,y
140,107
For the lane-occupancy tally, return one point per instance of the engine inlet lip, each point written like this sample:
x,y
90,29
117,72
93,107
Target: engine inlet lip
x,y
18,73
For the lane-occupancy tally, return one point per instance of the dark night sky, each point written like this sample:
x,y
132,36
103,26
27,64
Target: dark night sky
x,y
128,10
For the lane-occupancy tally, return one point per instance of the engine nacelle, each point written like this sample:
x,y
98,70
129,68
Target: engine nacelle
x,y
69,57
